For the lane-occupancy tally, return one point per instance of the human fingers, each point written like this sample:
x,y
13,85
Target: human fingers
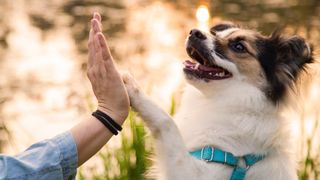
x,y
97,71
98,49
105,51
95,26
90,53
91,50
97,16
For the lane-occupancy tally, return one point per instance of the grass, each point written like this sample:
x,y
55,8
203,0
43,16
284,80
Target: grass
x,y
309,166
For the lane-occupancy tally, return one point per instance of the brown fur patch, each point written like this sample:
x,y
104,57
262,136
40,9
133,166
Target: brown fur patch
x,y
247,62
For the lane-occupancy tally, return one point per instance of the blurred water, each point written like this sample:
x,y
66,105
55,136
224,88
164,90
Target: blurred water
x,y
43,87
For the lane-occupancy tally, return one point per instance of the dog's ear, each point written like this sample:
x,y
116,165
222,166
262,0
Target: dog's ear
x,y
223,26
282,60
293,54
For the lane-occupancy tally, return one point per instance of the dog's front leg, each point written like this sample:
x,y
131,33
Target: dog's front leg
x,y
174,159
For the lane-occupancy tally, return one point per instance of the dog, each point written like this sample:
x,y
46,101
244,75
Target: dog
x,y
229,124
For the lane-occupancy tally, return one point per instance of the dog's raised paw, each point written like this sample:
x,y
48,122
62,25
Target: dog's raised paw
x,y
131,84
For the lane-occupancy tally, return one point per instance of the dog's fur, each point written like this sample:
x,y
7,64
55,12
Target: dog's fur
x,y
239,114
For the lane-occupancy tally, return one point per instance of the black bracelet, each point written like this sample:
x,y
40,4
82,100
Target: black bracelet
x,y
108,118
107,121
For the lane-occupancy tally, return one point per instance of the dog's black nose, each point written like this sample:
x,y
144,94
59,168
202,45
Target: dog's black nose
x,y
198,34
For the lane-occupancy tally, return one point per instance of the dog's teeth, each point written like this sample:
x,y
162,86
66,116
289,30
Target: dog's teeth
x,y
192,51
197,66
210,74
221,74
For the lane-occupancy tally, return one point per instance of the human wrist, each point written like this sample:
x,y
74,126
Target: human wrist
x,y
116,116
107,121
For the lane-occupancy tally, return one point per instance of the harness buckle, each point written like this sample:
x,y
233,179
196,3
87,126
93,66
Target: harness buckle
x,y
212,154
201,155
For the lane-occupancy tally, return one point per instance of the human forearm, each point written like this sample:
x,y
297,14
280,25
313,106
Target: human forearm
x,y
90,135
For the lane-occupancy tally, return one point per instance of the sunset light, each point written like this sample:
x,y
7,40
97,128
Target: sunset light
x,y
203,17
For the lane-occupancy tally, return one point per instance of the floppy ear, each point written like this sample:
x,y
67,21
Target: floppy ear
x,y
282,60
293,55
223,26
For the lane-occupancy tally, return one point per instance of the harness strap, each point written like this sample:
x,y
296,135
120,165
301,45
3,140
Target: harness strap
x,y
238,173
211,154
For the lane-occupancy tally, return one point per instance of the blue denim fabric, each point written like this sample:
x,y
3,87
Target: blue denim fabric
x,y
52,159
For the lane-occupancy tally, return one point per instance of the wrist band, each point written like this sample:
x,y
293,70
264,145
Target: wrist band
x,y
114,124
107,121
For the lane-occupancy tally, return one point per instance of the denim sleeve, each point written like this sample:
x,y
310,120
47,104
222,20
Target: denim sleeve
x,y
54,159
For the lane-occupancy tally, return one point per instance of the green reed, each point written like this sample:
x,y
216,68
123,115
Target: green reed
x,y
309,165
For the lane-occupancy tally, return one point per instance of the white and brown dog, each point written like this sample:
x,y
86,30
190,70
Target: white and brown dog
x,y
238,78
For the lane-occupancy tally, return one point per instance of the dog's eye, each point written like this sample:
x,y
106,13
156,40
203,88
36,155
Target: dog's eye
x,y
213,32
238,47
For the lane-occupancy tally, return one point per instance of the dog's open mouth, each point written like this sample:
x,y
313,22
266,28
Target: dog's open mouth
x,y
201,67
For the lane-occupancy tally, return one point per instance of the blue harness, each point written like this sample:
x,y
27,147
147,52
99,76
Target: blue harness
x,y
211,154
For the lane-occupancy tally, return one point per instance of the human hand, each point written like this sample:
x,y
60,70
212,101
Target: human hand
x,y
105,79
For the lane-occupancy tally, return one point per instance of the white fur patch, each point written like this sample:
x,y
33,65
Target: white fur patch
x,y
226,32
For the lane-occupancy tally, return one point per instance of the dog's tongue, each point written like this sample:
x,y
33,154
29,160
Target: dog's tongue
x,y
192,65
205,72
